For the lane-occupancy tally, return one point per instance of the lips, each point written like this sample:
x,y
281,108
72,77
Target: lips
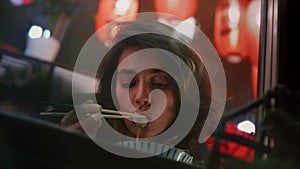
x,y
144,113
141,121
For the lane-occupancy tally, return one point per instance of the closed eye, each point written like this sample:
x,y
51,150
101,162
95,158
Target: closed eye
x,y
159,85
129,84
160,81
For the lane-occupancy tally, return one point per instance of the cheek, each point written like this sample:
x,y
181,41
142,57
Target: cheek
x,y
170,108
170,102
122,98
119,95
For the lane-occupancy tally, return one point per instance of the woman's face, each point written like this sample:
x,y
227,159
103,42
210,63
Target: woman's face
x,y
133,92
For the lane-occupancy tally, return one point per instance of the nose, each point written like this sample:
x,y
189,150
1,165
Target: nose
x,y
141,97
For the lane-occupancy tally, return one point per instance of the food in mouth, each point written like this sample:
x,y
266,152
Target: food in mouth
x,y
140,121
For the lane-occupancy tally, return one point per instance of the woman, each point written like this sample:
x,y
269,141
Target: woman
x,y
124,79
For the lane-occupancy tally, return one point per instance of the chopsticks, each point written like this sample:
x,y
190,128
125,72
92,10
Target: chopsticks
x,y
103,115
123,113
103,110
110,113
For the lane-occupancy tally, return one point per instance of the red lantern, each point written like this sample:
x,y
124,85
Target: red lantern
x,y
253,25
179,8
229,29
254,80
109,10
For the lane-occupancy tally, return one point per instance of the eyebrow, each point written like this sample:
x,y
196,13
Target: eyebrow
x,y
156,71
126,71
130,71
